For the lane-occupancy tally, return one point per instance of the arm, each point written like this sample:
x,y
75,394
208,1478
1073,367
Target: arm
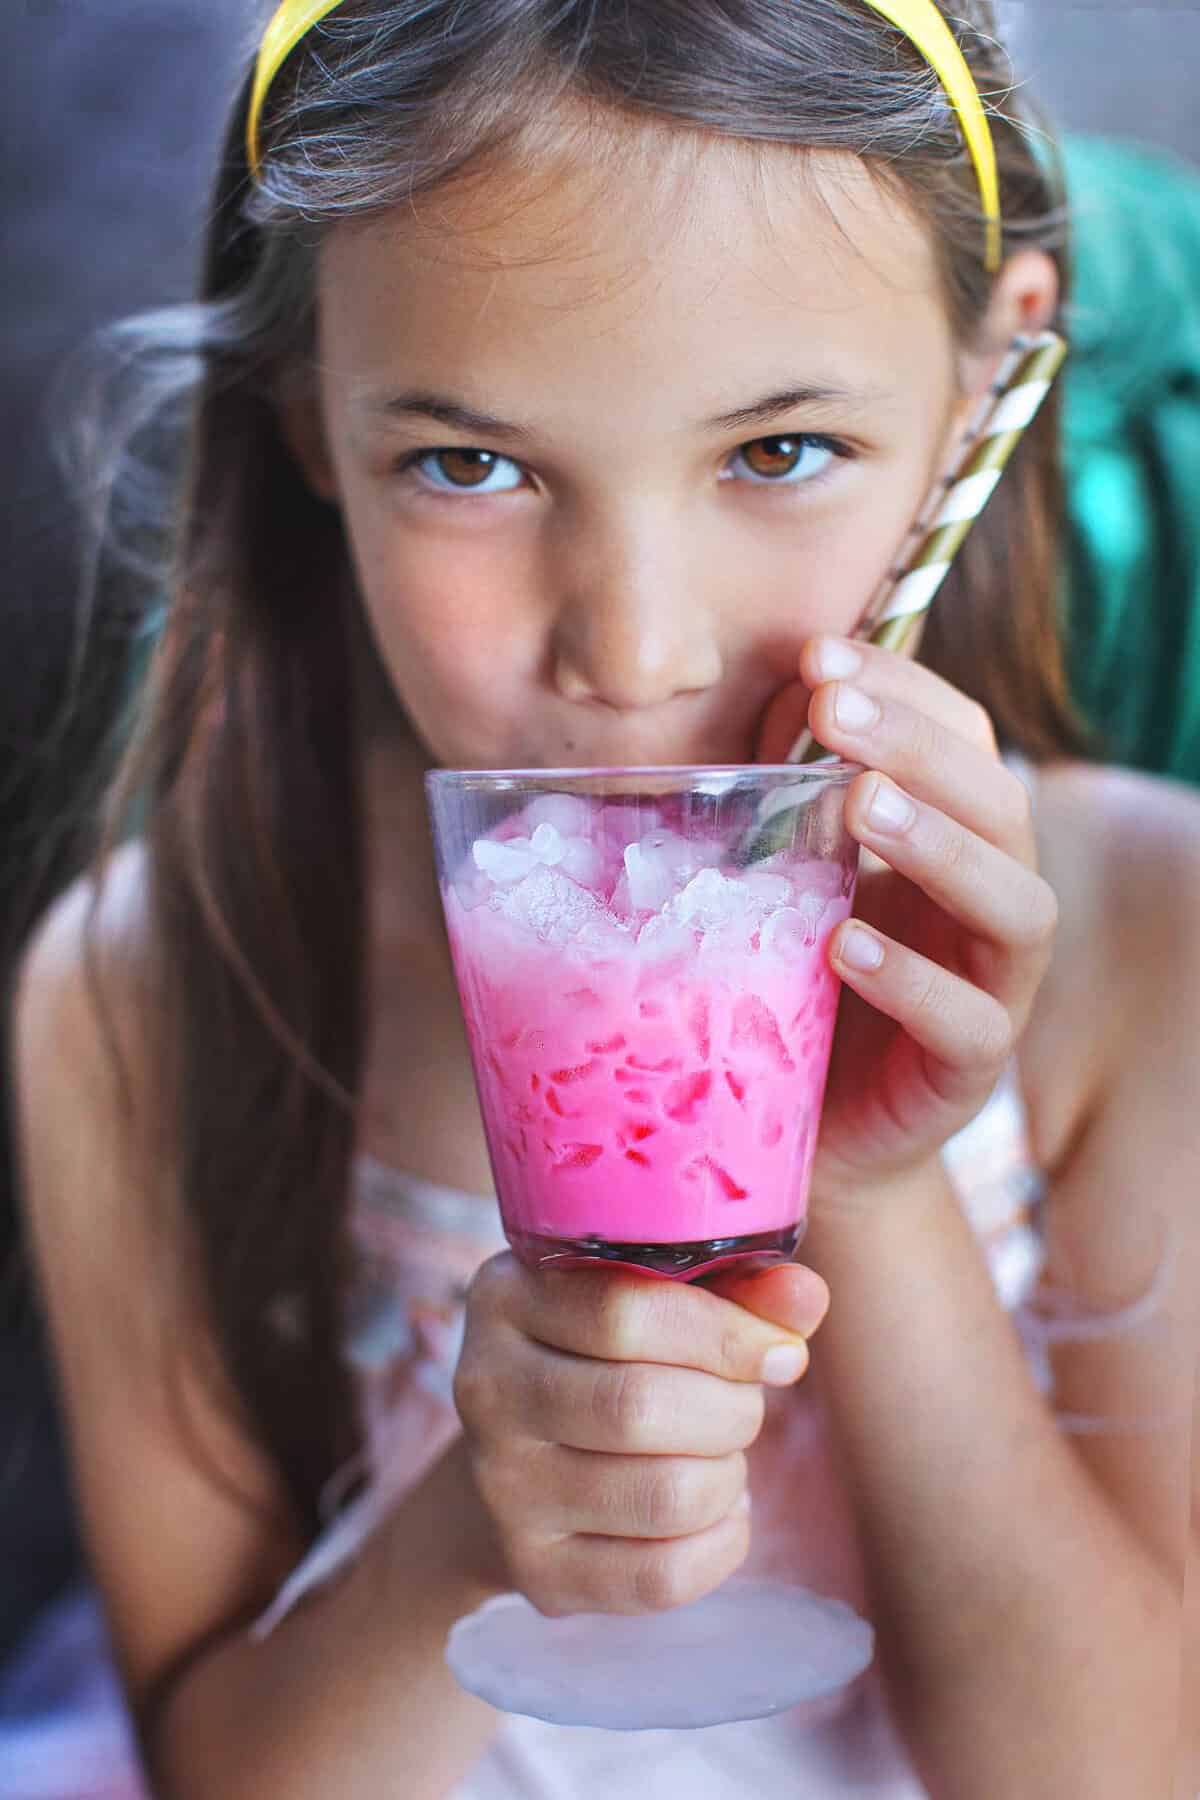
x,y
1029,1638
606,1424
1187,1784
187,1528
1028,1585
351,1689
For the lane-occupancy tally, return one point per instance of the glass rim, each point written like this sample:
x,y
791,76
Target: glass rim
x,y
834,768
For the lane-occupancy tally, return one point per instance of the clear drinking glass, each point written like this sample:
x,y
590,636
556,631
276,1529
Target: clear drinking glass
x,y
641,959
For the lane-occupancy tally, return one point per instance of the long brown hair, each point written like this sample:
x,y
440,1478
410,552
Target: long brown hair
x,y
242,774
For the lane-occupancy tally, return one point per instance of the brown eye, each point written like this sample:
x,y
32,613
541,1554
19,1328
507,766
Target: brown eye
x,y
774,456
465,468
797,460
466,471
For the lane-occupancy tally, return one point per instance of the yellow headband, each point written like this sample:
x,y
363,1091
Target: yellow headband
x,y
919,20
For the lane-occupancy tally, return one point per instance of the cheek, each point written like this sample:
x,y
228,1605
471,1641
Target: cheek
x,y
823,580
457,631
872,540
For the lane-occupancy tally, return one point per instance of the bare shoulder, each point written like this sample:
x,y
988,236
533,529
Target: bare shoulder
x,y
1130,824
204,1532
1121,850
83,972
1111,1071
97,1164
81,1043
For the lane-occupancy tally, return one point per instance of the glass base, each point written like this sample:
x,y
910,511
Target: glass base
x,y
746,1651
675,1262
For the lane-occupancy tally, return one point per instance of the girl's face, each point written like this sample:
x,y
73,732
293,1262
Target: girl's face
x,y
608,451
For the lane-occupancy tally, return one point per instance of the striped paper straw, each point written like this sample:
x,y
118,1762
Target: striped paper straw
x,y
1012,403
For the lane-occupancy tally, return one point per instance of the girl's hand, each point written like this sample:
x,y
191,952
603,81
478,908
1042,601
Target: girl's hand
x,y
953,926
607,1416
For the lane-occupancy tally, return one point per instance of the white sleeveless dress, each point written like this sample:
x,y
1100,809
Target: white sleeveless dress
x,y
63,1732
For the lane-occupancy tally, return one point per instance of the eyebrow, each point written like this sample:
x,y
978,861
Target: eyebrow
x,y
443,410
791,399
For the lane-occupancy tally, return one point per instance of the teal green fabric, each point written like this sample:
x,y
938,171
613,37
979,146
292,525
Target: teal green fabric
x,y
1132,453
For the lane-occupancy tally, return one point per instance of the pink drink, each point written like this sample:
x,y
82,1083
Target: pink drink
x,y
650,1027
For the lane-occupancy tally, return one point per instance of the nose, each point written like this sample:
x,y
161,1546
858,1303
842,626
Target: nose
x,y
636,625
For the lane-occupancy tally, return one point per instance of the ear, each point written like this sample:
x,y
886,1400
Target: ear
x,y
1025,298
302,425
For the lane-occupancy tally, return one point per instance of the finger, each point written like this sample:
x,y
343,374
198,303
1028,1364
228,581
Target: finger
x,y
633,1409
885,673
621,1575
634,1496
890,676
965,1030
929,762
627,1318
982,888
787,1294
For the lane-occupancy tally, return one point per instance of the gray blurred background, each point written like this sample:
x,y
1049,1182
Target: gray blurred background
x,y
111,110
1101,66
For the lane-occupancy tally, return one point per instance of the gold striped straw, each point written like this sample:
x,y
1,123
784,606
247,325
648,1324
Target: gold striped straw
x,y
1009,408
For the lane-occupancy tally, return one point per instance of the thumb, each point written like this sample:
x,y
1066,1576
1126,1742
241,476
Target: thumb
x,y
788,1295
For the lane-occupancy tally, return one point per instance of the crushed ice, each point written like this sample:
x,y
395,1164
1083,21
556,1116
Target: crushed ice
x,y
660,864
514,858
556,883
552,907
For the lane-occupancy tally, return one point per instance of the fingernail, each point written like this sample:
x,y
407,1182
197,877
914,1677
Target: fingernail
x,y
835,660
783,1364
889,808
820,1304
860,949
854,710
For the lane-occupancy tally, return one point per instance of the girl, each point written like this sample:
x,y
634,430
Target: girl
x,y
564,378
